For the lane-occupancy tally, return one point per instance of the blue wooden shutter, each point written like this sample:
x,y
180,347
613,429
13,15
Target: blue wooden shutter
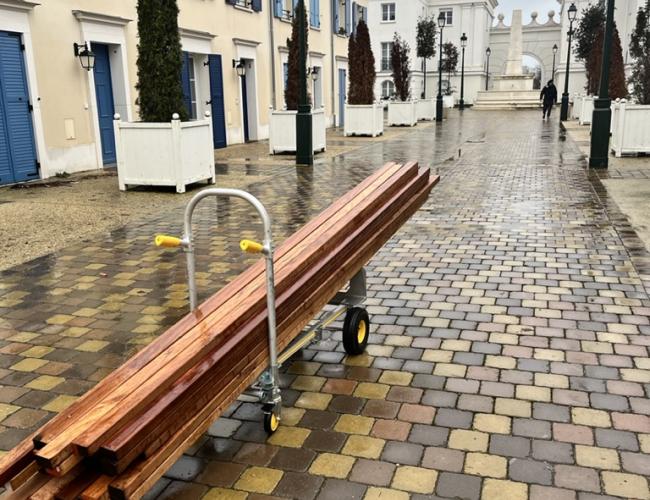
x,y
335,16
217,101
355,11
17,150
364,14
347,17
185,82
314,13
257,5
278,8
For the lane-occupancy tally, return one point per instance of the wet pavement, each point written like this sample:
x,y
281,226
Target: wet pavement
x,y
509,349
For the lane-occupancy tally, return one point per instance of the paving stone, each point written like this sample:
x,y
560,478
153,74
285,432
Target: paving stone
x,y
402,453
335,489
620,440
453,418
428,435
372,472
552,451
531,428
510,446
297,485
461,486
530,471
577,478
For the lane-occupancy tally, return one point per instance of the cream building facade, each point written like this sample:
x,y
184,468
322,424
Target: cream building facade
x,y
57,117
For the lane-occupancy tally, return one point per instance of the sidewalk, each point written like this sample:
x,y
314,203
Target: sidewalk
x,y
509,347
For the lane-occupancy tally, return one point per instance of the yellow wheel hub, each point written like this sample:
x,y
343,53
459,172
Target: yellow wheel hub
x,y
275,422
361,332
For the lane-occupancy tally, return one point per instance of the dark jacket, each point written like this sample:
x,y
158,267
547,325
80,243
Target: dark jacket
x,y
549,94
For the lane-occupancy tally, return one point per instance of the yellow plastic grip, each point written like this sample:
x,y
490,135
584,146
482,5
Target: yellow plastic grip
x,y
251,246
165,241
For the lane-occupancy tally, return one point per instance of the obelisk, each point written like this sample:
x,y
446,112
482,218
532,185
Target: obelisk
x,y
515,49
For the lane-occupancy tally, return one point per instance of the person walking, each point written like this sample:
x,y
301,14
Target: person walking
x,y
548,97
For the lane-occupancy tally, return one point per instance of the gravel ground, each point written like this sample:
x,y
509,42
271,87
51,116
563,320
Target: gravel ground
x,y
44,217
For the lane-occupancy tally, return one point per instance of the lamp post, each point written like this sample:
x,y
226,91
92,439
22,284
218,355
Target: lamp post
x,y
564,113
304,146
488,51
442,20
602,115
554,53
463,44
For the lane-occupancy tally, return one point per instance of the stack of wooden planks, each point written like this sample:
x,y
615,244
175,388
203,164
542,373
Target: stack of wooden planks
x,y
121,437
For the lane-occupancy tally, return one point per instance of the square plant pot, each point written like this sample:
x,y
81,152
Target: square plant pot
x,y
282,131
402,113
364,119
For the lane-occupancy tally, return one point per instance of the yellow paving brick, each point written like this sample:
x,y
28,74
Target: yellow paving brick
x,y
371,390
599,458
313,401
259,480
532,393
612,338
354,424
304,368
590,417
363,360
331,465
643,363
28,364
375,493
60,403
512,407
23,337
461,439
92,346
75,331
6,410
415,479
496,489
504,338
634,375
146,329
308,383
551,380
482,464
86,312
456,345
59,319
38,351
505,319
644,439
494,424
380,350
290,437
437,356
626,485
395,378
549,354
291,416
597,347
363,446
45,383
450,370
436,322
224,494
503,362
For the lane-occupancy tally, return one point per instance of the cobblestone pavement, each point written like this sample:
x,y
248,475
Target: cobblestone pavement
x,y
509,349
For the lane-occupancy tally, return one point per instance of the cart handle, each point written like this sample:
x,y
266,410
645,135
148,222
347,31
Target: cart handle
x,y
250,246
165,241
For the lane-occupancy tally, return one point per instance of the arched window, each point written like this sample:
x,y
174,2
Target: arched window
x,y
387,89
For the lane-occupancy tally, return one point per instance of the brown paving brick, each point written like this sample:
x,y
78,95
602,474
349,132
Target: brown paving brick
x,y
335,489
339,386
317,419
570,433
372,472
416,413
325,441
629,422
443,459
255,454
391,429
292,459
222,474
297,485
577,478
381,409
404,394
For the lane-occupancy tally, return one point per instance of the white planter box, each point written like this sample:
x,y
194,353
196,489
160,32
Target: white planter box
x,y
364,120
630,131
426,109
448,101
282,131
577,106
586,110
402,113
164,154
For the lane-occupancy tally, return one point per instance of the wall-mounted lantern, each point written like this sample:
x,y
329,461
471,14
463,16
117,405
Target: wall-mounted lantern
x,y
240,67
85,55
314,72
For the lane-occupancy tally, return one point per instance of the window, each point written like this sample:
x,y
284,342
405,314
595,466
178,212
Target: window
x,y
387,89
387,12
449,16
255,5
314,13
386,49
192,77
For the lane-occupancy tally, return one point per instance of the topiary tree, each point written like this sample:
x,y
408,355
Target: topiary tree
x,y
292,90
160,91
617,85
401,65
426,44
361,63
640,51
449,60
591,21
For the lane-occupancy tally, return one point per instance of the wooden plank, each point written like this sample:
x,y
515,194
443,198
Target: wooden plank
x,y
153,416
98,490
126,401
23,476
30,486
16,460
139,479
53,453
71,414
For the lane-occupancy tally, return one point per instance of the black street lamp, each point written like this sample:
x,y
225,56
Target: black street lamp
x,y
85,55
554,53
564,113
602,115
304,145
442,20
488,51
463,44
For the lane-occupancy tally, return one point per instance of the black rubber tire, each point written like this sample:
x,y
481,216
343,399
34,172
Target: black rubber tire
x,y
271,422
356,330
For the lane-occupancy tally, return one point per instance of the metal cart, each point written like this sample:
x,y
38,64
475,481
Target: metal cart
x,y
356,325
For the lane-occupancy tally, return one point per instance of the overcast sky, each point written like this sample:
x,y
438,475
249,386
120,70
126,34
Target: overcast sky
x,y
541,6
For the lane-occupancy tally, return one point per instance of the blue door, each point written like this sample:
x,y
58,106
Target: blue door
x,y
18,161
105,105
342,91
244,102
217,101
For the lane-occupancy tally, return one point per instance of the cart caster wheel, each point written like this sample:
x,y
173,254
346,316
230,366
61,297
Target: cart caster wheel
x,y
271,422
356,330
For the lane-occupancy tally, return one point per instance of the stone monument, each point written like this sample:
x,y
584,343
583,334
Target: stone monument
x,y
513,89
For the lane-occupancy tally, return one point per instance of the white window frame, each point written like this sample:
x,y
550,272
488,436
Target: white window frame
x,y
449,15
387,85
389,46
386,12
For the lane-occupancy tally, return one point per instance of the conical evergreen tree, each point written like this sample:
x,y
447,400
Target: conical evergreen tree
x,y
640,51
591,20
292,89
426,44
401,66
617,85
160,92
449,59
361,63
